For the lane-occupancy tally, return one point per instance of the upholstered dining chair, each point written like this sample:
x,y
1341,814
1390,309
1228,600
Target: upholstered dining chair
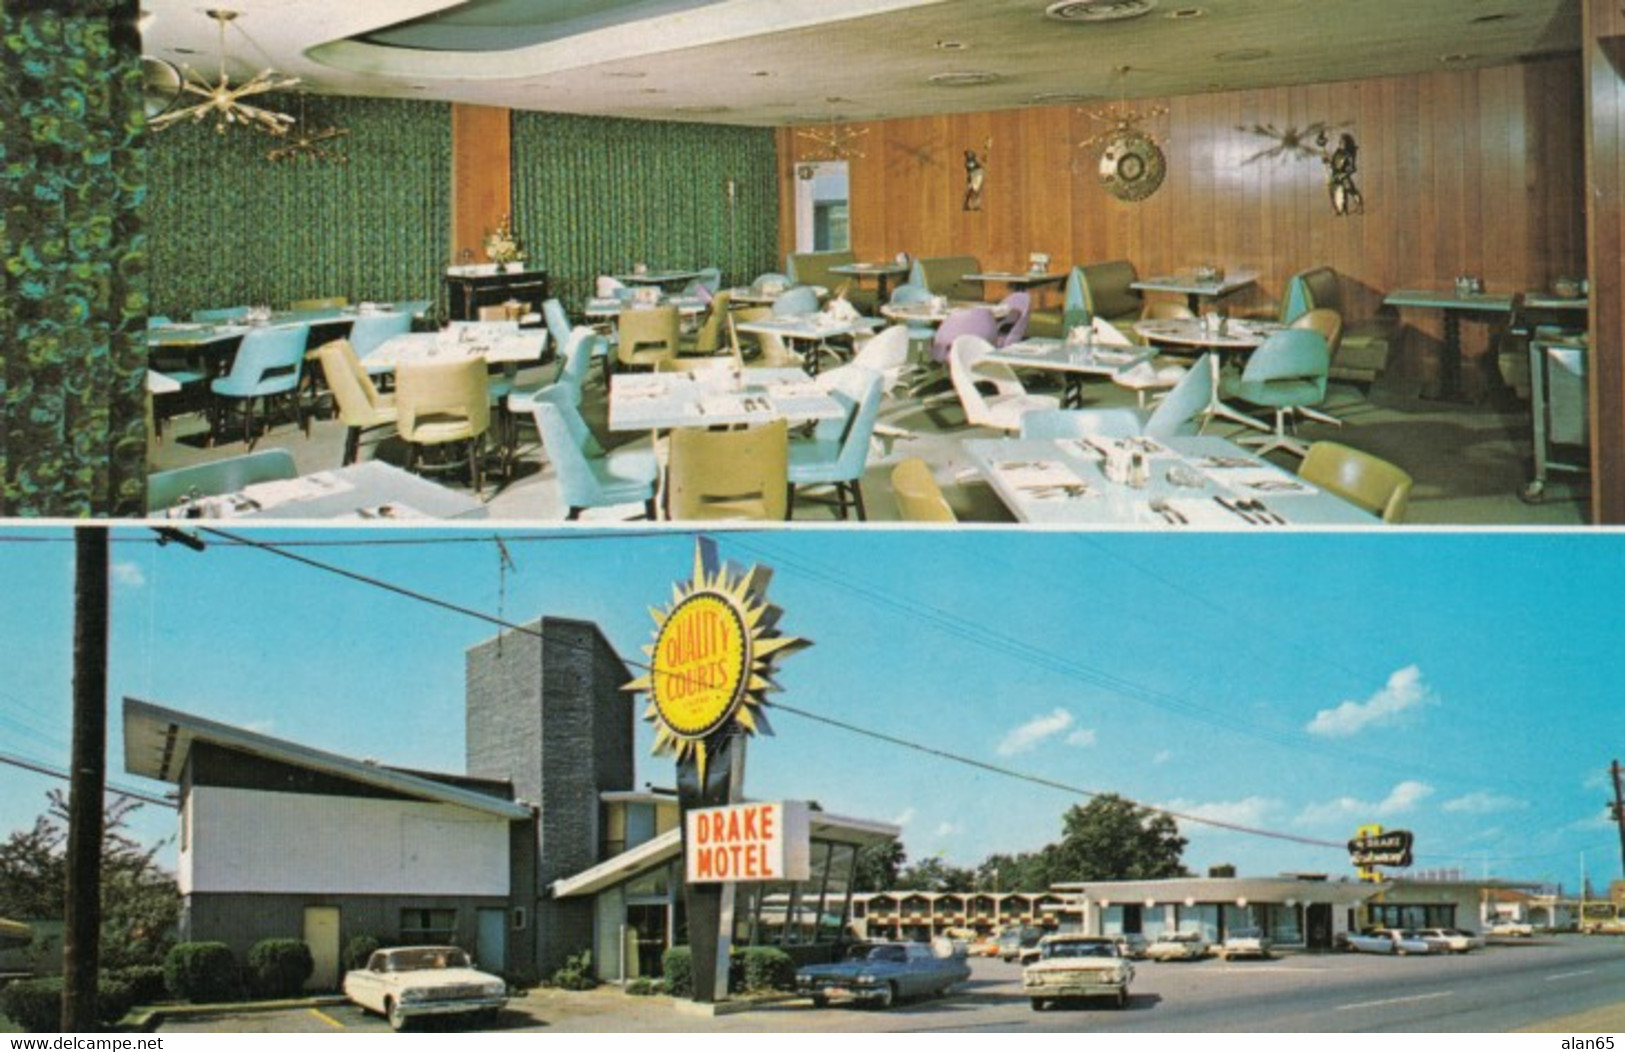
x,y
266,369
360,407
736,474
968,367
217,477
444,402
1013,326
1358,477
759,350
320,303
769,278
1286,374
885,353
371,331
837,452
588,476
963,321
919,498
712,334
800,299
647,335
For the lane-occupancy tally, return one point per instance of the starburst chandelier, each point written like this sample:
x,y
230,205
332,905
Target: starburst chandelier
x,y
839,142
311,144
223,100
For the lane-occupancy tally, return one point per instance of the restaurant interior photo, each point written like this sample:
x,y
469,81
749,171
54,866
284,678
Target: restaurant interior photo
x,y
1150,264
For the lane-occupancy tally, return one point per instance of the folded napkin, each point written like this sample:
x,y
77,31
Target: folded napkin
x,y
1109,334
1142,375
287,491
1266,482
1040,476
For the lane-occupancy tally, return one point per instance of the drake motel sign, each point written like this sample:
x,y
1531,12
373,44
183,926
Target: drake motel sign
x,y
766,841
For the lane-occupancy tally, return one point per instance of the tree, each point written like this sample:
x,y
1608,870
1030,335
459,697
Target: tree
x,y
1111,838
878,866
933,874
140,902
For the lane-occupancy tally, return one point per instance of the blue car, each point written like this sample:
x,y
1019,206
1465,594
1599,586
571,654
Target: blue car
x,y
885,974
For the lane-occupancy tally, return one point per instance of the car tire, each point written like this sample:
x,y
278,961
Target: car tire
x,y
886,997
1039,1004
392,1012
820,1001
1122,998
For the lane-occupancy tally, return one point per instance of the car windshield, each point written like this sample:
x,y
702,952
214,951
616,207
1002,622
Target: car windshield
x,y
427,959
1080,949
895,954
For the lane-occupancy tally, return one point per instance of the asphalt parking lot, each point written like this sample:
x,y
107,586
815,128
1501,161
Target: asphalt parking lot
x,y
1562,984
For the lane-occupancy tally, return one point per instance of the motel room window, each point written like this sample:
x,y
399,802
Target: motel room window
x,y
1199,918
1416,915
428,927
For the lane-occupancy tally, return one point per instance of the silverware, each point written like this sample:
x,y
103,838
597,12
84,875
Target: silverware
x,y
1171,515
1263,512
1236,508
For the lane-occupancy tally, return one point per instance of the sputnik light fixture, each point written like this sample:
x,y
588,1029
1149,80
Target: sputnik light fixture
x,y
838,142
224,100
311,144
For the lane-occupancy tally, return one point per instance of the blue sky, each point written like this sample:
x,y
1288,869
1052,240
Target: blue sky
x,y
1462,686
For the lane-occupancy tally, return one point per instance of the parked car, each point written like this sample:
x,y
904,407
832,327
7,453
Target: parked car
x,y
403,983
986,946
1076,967
1245,942
1131,945
1451,940
1014,940
1388,940
888,973
1509,928
1178,946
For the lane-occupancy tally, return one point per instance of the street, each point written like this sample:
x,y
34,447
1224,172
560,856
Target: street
x,y
1512,984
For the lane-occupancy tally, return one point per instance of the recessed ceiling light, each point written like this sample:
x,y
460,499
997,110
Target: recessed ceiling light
x,y
1179,14
1244,54
949,45
652,91
1491,18
1455,58
626,74
963,78
1098,10
182,51
1061,98
761,73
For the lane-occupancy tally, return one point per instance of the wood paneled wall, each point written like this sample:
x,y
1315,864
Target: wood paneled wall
x,y
482,177
1605,161
1475,172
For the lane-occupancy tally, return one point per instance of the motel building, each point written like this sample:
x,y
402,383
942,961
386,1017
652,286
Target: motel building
x,y
542,848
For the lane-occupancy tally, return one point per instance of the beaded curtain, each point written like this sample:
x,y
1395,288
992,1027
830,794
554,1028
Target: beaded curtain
x,y
72,364
595,195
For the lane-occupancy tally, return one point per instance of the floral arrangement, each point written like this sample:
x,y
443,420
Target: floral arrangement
x,y
502,244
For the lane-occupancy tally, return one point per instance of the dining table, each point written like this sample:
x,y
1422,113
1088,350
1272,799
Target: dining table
x,y
1073,359
656,276
372,491
815,329
882,272
607,307
717,397
935,311
1457,305
1232,336
1199,290
498,344
1200,482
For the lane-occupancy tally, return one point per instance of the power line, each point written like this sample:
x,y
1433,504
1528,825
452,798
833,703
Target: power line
x,y
62,773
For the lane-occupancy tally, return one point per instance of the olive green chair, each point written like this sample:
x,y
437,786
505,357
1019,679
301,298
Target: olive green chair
x,y
1361,479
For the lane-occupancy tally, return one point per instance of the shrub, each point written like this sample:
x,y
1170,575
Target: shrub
x,y
278,968
764,968
644,986
202,972
359,950
36,1004
678,964
577,973
146,982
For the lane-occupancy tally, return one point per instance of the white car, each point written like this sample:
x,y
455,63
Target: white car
x,y
1451,940
1076,967
403,983
1388,940
1509,927
1245,942
1178,946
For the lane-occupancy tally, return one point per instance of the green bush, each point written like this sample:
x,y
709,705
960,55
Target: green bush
x,y
763,968
577,973
278,968
202,972
644,986
678,965
359,950
36,1004
146,982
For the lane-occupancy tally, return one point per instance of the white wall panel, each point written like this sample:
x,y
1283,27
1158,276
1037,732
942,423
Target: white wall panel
x,y
248,841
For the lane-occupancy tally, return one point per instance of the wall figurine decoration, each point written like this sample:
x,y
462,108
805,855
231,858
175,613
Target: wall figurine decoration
x,y
1313,142
1341,166
976,177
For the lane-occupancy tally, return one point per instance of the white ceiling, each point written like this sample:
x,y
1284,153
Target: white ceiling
x,y
782,62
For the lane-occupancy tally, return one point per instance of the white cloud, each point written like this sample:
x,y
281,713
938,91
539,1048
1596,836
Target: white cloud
x,y
1162,756
1403,691
128,574
1484,803
949,829
1401,799
1252,811
905,818
1081,736
1026,737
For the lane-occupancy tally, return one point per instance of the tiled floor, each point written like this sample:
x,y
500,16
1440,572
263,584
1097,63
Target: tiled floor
x,y
1470,463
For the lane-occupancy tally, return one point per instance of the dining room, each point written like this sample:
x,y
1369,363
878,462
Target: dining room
x,y
1472,168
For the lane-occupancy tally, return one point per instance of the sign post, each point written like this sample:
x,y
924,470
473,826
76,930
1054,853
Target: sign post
x,y
711,667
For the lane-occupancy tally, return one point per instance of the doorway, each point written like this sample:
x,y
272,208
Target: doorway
x,y
491,949
822,221
1318,921
322,936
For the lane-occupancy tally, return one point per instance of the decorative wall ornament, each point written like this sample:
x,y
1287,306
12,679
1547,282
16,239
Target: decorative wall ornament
x,y
1313,142
311,144
224,101
1132,165
1341,166
838,142
976,176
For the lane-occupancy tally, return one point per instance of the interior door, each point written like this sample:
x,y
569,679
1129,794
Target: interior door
x,y
492,950
322,936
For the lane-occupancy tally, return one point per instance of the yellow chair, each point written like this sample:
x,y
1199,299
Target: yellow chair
x,y
440,403
769,350
708,338
919,498
361,408
647,335
1359,478
741,474
320,303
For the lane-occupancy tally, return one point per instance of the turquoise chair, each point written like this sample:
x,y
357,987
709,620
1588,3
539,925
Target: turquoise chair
x,y
575,361
1178,414
710,280
769,278
166,488
179,364
838,451
415,309
1055,324
267,367
220,315
1287,374
1181,411
370,331
919,332
558,322
589,477
800,299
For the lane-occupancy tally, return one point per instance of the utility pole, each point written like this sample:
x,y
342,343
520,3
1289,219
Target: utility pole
x,y
81,937
1618,810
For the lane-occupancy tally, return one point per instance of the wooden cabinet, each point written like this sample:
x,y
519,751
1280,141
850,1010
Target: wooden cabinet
x,y
467,293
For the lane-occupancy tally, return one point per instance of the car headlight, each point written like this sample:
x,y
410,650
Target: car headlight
x,y
409,995
494,989
865,980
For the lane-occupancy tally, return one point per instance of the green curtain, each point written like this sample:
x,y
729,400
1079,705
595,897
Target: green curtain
x,y
595,195
229,226
73,363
